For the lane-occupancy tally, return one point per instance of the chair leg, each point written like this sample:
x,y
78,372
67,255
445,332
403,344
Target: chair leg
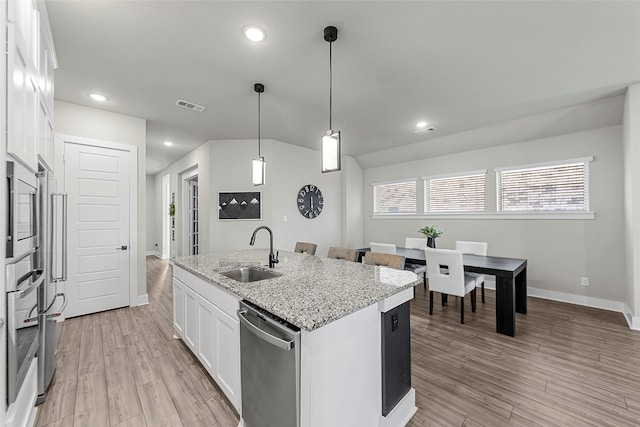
x,y
424,283
473,300
430,303
483,292
462,310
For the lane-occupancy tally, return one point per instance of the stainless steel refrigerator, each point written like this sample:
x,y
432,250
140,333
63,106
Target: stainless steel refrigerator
x,y
53,262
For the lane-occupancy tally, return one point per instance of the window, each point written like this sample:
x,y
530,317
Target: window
x,y
552,187
397,197
454,193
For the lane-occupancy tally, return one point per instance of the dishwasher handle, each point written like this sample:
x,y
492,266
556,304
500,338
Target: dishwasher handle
x,y
278,342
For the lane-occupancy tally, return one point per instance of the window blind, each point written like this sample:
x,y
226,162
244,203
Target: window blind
x,y
547,188
464,193
395,197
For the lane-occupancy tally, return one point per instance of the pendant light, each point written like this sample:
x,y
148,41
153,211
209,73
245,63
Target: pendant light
x,y
331,139
259,165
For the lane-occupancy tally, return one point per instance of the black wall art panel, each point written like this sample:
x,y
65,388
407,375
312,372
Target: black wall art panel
x,y
239,205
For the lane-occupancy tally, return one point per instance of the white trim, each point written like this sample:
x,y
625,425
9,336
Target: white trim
x,y
455,174
584,160
154,253
490,216
141,300
61,139
632,321
395,181
586,301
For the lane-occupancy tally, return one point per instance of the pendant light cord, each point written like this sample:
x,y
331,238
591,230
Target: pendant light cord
x,y
330,85
259,125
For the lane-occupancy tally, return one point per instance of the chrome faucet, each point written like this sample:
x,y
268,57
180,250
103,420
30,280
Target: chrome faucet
x,y
273,260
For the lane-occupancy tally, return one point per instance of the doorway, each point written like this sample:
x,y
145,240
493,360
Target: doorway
x,y
190,213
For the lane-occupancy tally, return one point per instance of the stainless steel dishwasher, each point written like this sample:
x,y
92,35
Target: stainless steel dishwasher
x,y
270,369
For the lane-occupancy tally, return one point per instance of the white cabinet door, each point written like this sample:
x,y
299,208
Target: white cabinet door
x,y
22,101
178,307
206,335
228,356
190,318
24,16
45,136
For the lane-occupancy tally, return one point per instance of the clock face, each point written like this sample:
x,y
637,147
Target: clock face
x,y
310,201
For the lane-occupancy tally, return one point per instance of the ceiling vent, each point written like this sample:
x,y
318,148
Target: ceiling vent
x,y
425,130
190,105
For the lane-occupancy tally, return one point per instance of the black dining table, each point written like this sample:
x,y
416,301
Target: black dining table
x,y
511,282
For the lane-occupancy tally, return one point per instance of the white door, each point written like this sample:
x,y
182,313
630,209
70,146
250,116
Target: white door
x,y
97,182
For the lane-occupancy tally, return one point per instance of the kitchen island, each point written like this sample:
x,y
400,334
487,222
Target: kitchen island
x,y
337,306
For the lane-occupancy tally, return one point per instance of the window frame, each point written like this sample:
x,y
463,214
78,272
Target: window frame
x,y
587,197
374,186
427,191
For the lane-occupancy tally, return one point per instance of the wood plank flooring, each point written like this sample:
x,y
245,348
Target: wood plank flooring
x,y
567,365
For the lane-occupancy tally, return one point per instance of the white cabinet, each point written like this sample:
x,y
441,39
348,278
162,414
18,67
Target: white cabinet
x,y
178,307
30,66
190,319
44,145
227,348
22,101
204,316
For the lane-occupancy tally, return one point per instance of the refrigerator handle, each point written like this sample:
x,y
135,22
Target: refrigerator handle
x,y
63,196
64,237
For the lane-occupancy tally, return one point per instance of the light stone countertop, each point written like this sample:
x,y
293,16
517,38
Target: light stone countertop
x,y
311,292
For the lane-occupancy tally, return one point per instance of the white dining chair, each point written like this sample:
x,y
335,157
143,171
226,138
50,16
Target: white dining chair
x,y
447,276
417,243
384,248
474,248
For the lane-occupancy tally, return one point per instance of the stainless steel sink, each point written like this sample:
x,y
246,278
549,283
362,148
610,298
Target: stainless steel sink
x,y
249,274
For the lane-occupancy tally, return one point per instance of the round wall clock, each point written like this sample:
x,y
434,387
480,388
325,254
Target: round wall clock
x,y
310,201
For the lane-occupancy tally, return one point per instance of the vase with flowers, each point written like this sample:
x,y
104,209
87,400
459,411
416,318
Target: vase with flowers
x,y
431,232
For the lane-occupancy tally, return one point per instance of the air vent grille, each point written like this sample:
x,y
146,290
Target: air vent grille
x,y
190,105
425,130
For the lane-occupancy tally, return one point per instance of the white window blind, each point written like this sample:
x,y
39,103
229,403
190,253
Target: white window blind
x,y
551,188
394,197
455,193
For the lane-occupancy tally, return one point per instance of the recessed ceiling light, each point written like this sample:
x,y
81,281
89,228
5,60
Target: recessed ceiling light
x,y
98,97
168,143
421,125
254,33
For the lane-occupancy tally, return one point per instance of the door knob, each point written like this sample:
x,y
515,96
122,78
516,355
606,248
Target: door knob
x,y
122,248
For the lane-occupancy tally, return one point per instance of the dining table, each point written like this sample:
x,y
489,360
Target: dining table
x,y
511,282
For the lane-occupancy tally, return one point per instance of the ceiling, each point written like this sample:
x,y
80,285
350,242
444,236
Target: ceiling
x,y
457,65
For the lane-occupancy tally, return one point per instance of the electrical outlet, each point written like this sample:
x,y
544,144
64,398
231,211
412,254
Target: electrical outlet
x,y
284,219
584,281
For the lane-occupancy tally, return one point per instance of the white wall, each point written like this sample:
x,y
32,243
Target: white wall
x,y
631,143
154,240
77,120
226,166
559,252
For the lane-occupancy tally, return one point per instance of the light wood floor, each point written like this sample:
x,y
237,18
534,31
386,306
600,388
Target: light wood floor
x,y
567,365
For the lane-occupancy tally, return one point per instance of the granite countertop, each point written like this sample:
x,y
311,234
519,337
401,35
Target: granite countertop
x,y
311,291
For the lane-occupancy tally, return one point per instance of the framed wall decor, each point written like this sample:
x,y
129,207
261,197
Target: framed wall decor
x,y
240,205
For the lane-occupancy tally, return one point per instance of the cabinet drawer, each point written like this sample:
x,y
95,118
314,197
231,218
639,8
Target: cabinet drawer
x,y
224,300
189,279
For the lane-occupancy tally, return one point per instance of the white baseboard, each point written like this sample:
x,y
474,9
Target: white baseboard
x,y
141,300
154,253
632,321
604,304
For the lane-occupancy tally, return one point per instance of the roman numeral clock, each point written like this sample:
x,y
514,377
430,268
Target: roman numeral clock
x,y
310,201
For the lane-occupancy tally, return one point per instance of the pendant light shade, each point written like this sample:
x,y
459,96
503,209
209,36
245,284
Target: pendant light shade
x,y
259,166
331,139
